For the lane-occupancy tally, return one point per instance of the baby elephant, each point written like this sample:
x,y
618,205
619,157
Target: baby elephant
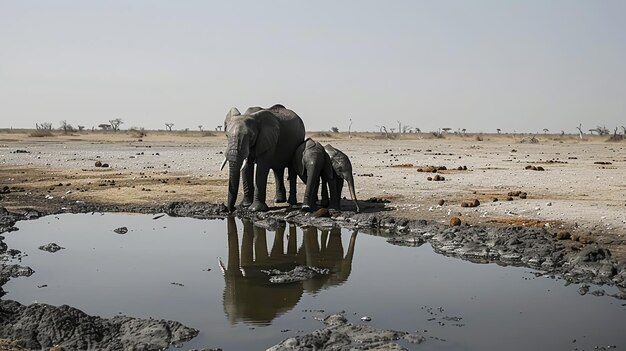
x,y
342,170
313,161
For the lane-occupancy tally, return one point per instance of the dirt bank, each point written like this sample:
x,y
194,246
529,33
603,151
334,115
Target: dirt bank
x,y
556,206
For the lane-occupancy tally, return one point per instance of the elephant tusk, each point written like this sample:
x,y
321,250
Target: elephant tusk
x,y
223,164
245,161
222,267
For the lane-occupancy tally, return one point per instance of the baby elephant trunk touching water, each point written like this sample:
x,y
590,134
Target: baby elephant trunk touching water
x,y
342,168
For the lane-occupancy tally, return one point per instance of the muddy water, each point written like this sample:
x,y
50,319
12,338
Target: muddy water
x,y
169,268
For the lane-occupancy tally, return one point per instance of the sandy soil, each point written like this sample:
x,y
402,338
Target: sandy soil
x,y
582,187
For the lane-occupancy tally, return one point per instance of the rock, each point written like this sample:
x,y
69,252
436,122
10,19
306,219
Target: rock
x,y
98,164
121,230
339,334
39,326
455,221
441,202
523,195
51,247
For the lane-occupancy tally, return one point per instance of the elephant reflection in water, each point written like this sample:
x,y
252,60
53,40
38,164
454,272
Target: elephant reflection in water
x,y
248,294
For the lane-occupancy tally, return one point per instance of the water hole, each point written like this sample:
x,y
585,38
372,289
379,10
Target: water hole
x,y
169,268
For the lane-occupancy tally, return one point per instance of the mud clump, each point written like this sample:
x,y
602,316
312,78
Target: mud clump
x,y
534,168
51,247
436,178
563,235
298,274
473,203
517,193
431,169
121,230
455,221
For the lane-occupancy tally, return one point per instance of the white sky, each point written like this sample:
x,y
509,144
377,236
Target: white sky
x,y
516,65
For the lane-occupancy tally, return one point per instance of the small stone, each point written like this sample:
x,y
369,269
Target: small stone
x,y
366,319
98,164
441,202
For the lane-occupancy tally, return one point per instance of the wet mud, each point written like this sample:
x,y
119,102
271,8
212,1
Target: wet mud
x,y
537,248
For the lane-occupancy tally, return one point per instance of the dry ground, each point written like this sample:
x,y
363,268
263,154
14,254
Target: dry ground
x,y
582,187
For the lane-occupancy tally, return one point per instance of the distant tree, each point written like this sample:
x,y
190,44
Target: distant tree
x,y
603,130
66,127
463,130
218,128
446,130
81,128
115,123
383,129
592,130
104,126
334,129
406,129
624,130
200,127
499,130
43,126
169,126
417,130
545,131
580,130
399,127
350,128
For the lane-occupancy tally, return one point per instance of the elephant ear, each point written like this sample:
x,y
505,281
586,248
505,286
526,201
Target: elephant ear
x,y
269,131
232,113
340,161
328,168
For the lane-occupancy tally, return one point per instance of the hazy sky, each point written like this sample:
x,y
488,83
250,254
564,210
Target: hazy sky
x,y
516,65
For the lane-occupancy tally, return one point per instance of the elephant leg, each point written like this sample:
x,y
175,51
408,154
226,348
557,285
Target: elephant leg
x,y
325,185
281,192
312,186
260,182
335,193
293,177
248,184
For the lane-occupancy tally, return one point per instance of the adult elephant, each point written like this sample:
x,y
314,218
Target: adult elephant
x,y
267,138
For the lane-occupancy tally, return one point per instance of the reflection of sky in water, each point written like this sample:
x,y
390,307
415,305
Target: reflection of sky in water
x,y
103,273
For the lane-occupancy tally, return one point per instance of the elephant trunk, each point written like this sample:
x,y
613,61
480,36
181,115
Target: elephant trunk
x,y
234,174
350,180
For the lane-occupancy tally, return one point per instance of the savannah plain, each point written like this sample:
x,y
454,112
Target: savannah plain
x,y
559,182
